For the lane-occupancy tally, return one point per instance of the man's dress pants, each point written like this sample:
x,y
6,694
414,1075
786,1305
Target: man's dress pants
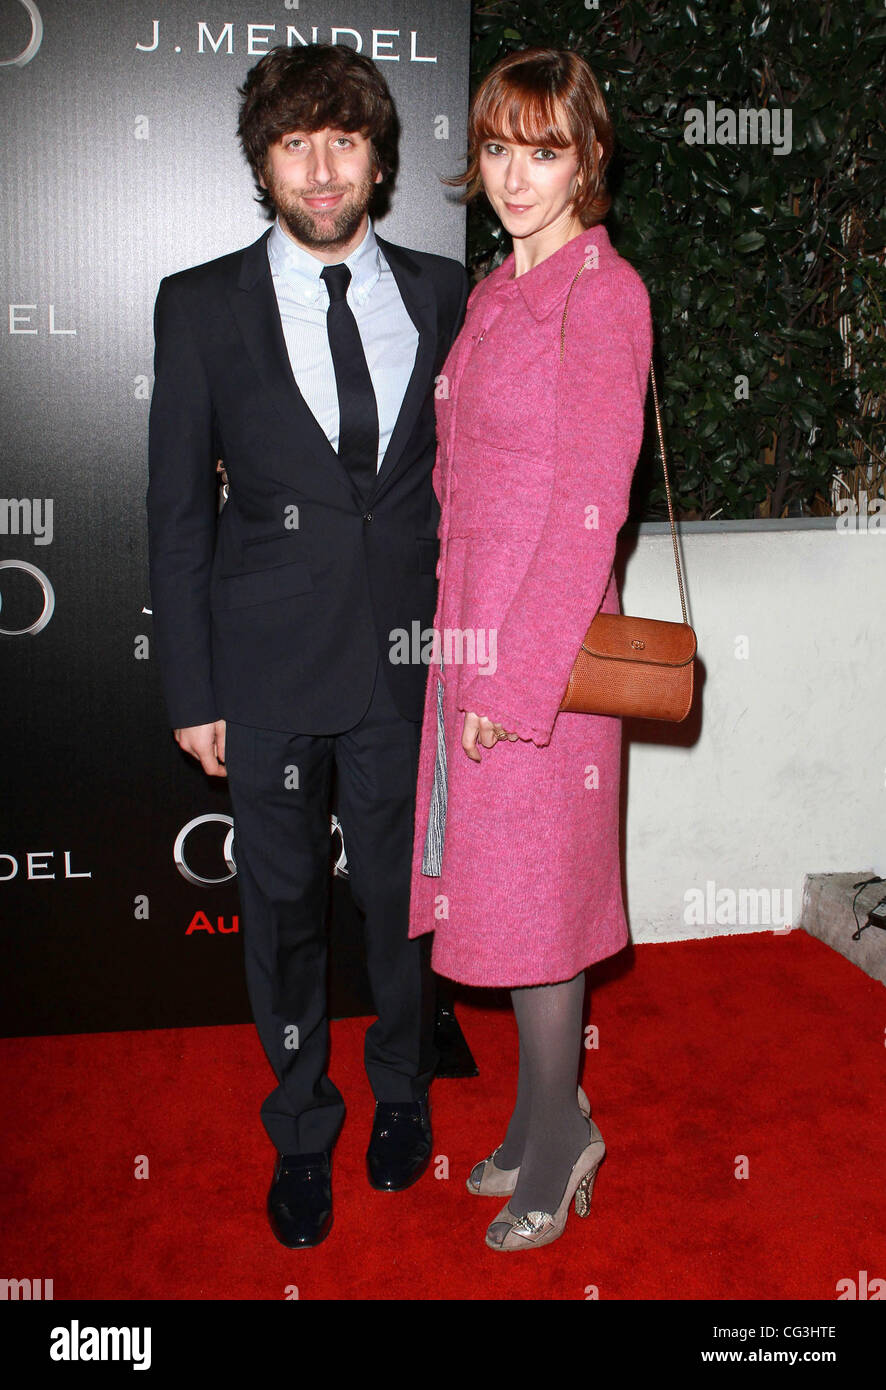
x,y
280,786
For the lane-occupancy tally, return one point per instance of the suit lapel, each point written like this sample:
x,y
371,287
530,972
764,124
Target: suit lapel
x,y
255,308
421,305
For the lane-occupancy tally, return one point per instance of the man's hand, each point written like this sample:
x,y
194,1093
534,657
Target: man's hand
x,y
206,743
479,729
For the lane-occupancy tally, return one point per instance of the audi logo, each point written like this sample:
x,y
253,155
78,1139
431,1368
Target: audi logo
x,y
48,600
34,41
178,849
340,867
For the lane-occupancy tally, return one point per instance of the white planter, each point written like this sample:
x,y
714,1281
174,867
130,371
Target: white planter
x,y
784,773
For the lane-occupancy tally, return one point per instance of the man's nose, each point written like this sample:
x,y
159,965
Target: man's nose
x,y
320,168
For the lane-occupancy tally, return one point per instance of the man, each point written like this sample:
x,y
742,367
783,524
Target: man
x,y
307,363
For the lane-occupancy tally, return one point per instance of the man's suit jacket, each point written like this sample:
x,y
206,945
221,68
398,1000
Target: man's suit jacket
x,y
273,613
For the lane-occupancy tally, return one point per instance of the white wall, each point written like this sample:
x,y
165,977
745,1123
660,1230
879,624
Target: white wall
x,y
783,771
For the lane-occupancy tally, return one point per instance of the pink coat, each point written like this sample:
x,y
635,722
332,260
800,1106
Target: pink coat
x,y
533,473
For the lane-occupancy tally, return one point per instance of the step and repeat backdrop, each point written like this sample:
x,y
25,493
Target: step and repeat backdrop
x,y
118,902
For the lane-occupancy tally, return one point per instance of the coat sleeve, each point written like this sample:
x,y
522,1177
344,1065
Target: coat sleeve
x,y
601,389
182,514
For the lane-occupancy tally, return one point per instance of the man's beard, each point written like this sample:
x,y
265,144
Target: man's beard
x,y
326,229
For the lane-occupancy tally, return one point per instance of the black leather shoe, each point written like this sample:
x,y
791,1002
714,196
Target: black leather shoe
x,y
400,1147
300,1199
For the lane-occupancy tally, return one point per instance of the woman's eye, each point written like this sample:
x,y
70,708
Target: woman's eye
x,y
548,154
493,148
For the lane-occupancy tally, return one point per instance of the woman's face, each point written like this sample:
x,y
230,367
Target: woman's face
x,y
529,186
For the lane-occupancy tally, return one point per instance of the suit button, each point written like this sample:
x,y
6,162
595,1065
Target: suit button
x,y
367,516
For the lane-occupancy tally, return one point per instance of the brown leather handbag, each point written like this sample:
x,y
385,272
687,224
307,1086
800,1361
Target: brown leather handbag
x,y
640,667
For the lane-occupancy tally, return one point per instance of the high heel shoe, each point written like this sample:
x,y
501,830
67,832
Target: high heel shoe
x,y
541,1227
500,1182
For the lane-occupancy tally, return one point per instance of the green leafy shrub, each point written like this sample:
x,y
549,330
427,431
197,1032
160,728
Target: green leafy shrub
x,y
765,266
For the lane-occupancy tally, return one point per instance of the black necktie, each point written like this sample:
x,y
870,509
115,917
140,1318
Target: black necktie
x,y
357,409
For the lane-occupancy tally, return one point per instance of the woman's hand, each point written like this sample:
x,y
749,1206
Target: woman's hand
x,y
479,729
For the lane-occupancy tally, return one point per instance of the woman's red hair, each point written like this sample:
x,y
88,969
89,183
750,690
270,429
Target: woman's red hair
x,y
544,97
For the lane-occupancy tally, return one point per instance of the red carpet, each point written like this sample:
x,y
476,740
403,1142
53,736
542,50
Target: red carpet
x,y
766,1046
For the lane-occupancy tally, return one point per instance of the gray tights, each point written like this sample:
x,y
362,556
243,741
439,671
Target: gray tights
x,y
547,1130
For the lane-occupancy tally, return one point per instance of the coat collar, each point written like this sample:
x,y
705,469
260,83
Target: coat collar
x,y
545,286
254,263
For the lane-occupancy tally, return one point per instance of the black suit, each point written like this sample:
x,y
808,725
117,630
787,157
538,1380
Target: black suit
x,y
310,606
276,617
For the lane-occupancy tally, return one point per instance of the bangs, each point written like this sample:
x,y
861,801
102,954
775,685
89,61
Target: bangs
x,y
526,116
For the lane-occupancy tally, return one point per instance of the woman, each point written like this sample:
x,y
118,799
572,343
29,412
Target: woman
x,y
516,863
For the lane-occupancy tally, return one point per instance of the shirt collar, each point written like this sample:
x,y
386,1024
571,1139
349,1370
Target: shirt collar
x,y
546,285
294,263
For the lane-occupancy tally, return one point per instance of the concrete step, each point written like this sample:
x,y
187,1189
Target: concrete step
x,y
827,913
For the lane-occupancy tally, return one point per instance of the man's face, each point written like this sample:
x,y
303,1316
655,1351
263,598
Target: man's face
x,y
321,182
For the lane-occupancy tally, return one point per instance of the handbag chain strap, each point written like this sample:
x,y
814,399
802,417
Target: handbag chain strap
x,y
661,443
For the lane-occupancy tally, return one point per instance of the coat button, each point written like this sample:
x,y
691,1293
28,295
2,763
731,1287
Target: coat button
x,y
367,516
